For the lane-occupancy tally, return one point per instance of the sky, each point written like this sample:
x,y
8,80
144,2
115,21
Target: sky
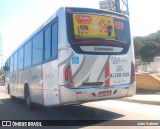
x,y
20,18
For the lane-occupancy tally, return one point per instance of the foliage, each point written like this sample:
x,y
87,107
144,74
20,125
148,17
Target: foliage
x,y
149,50
137,47
147,47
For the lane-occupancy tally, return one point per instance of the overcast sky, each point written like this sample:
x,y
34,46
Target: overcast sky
x,y
19,18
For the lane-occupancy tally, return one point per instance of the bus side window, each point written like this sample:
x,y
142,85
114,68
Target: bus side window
x,y
47,46
54,40
27,54
20,58
11,64
15,61
37,48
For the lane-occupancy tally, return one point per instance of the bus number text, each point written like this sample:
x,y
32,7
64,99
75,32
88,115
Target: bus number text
x,y
116,75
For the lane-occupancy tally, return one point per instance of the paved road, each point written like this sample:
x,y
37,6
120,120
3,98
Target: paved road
x,y
103,110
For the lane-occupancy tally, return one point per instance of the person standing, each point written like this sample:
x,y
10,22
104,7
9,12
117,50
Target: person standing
x,y
109,28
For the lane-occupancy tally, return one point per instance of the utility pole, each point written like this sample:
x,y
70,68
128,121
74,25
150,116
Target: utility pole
x,y
120,6
1,53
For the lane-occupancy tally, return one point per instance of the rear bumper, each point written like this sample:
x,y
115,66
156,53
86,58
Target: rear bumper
x,y
79,95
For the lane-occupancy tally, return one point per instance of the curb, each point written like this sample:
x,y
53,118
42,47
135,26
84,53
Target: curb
x,y
144,96
145,91
141,101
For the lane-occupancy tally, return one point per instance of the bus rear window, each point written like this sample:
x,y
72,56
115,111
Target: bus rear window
x,y
93,33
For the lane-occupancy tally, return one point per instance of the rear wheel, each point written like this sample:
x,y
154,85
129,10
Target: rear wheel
x,y
9,93
8,89
28,99
12,97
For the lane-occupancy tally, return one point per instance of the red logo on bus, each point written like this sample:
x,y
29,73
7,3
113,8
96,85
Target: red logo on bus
x,y
83,19
119,25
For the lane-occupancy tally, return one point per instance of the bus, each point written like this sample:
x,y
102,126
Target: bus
x,y
78,55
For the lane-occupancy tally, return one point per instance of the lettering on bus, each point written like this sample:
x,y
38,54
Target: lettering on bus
x,y
82,27
83,19
34,77
117,60
116,75
119,25
49,75
119,68
120,81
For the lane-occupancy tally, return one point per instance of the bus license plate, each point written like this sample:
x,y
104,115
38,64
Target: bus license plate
x,y
104,93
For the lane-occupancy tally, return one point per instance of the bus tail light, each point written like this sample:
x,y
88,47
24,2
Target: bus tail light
x,y
132,73
68,77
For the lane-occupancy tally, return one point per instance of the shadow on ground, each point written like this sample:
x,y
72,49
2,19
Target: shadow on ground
x,y
141,91
66,115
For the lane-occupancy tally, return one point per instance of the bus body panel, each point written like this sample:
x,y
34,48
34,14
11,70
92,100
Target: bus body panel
x,y
50,83
95,74
32,77
68,96
80,95
73,77
42,81
92,69
13,84
20,84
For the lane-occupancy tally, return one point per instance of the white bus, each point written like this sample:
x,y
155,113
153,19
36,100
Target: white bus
x,y
78,55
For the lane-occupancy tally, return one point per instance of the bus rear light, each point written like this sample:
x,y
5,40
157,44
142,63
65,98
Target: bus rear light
x,y
132,73
68,77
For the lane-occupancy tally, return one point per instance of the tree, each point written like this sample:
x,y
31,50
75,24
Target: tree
x,y
149,50
137,47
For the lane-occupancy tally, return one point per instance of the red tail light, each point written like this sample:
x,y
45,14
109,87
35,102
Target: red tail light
x,y
68,77
132,73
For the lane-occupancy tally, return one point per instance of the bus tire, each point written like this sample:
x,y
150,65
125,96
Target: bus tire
x,y
12,97
8,90
9,93
27,98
